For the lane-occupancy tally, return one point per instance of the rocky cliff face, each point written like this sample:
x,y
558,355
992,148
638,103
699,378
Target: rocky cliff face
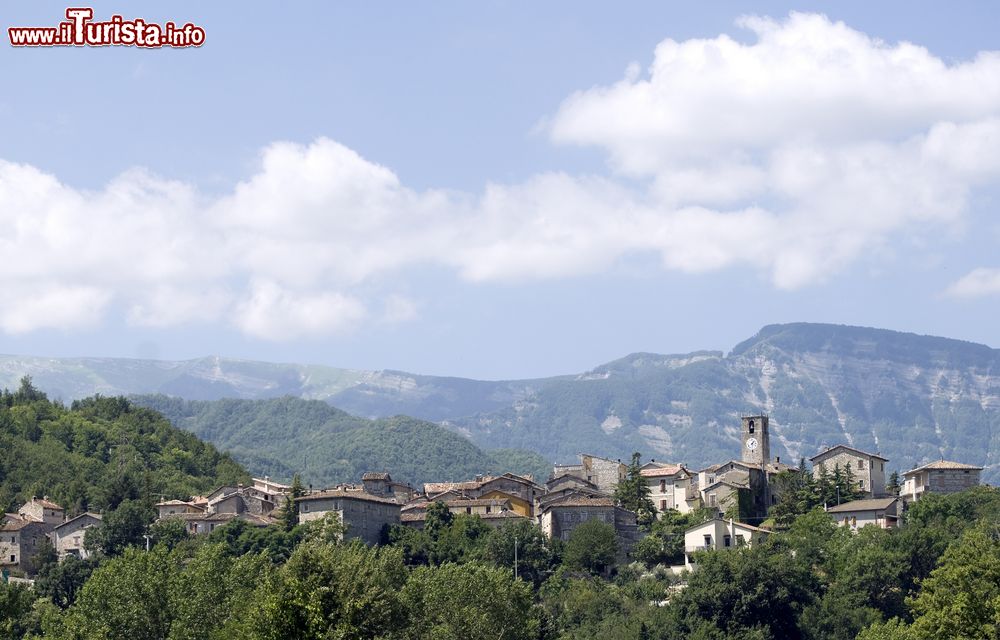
x,y
912,398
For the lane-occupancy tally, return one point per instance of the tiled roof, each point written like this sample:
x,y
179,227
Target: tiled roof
x,y
579,501
431,488
96,516
871,504
346,494
943,465
174,503
15,523
413,517
375,475
48,504
665,471
829,450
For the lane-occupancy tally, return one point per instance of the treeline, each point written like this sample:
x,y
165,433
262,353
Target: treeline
x,y
324,445
98,453
937,577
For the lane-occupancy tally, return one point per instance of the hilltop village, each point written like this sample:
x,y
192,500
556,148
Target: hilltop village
x,y
738,499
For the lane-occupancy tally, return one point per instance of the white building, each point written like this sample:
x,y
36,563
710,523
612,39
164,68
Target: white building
x,y
67,538
719,535
883,513
669,486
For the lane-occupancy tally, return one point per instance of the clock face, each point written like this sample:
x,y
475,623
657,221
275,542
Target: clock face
x,y
751,443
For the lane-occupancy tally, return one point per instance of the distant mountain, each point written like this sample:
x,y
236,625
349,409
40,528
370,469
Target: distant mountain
x,y
913,398
283,436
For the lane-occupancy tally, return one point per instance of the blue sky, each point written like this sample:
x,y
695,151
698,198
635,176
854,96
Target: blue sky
x,y
497,190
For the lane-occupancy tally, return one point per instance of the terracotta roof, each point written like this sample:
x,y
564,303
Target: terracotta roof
x,y
942,465
375,475
15,524
431,488
46,503
844,446
344,493
870,504
665,471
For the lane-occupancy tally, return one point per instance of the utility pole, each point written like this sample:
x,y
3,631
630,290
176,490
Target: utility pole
x,y
147,537
515,557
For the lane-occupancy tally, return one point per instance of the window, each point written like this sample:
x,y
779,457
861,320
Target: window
x,y
854,521
861,464
727,541
468,509
13,539
13,558
305,506
489,509
881,466
862,484
663,505
708,540
663,485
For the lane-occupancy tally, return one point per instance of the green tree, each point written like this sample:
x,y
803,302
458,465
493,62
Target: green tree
x,y
535,559
348,592
894,486
289,516
961,598
127,597
61,582
592,546
169,532
15,606
469,602
632,493
120,529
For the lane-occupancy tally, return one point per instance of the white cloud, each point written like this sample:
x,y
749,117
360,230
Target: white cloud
x,y
795,155
976,283
274,313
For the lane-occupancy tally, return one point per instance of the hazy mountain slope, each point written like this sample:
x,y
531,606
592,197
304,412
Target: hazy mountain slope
x,y
282,436
914,398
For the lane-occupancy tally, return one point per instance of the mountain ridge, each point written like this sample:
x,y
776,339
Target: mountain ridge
x,y
916,398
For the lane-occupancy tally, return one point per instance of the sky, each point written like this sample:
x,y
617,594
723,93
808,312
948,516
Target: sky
x,y
495,189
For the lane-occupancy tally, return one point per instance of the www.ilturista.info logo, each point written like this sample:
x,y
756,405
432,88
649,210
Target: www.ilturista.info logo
x,y
79,30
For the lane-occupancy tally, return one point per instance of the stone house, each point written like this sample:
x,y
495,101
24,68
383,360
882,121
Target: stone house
x,y
522,491
365,516
177,507
199,524
558,518
20,541
669,487
719,535
492,510
868,468
884,513
381,484
604,473
68,537
942,476
42,510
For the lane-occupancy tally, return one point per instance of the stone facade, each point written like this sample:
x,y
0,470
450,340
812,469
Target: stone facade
x,y
68,537
605,474
20,542
756,440
366,516
560,517
42,510
942,476
868,468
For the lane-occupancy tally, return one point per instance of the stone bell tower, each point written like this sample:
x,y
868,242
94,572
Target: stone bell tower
x,y
756,440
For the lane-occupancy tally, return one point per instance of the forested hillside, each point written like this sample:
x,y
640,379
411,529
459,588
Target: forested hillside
x,y
284,436
912,398
99,453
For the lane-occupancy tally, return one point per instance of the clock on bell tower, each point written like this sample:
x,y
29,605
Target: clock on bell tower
x,y
756,440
